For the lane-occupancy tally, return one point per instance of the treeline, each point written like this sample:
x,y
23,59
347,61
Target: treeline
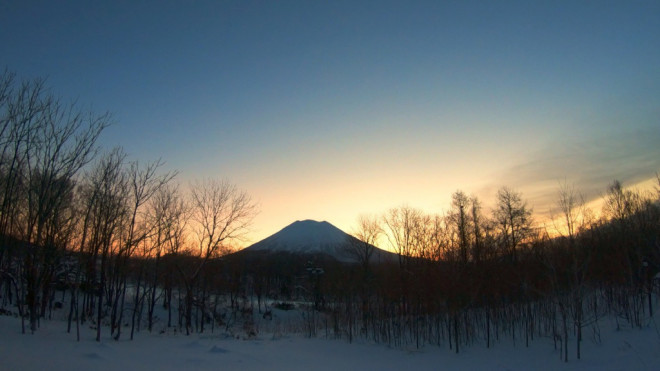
x,y
466,277
113,234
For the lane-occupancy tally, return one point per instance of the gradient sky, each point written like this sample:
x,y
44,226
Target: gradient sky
x,y
326,110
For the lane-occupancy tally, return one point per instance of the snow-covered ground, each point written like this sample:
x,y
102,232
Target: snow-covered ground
x,y
51,348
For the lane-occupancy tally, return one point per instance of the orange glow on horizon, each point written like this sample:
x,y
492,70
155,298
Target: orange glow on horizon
x,y
341,205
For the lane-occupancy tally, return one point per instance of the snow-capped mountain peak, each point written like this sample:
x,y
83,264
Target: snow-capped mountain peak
x,y
313,237
305,236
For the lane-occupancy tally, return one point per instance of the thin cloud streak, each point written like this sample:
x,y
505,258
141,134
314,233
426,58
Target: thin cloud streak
x,y
588,164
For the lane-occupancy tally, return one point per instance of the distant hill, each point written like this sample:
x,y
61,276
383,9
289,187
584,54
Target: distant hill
x,y
310,237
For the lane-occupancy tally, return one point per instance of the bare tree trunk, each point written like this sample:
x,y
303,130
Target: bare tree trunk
x,y
121,309
136,301
456,331
169,307
152,295
100,299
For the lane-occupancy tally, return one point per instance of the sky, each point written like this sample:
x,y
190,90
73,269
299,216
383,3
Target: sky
x,y
329,110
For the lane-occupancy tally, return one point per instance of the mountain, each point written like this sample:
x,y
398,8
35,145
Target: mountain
x,y
313,238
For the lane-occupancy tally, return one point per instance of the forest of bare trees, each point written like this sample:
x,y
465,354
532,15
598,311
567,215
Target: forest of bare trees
x,y
466,277
91,223
120,239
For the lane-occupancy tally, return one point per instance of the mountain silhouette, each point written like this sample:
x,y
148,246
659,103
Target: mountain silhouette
x,y
312,237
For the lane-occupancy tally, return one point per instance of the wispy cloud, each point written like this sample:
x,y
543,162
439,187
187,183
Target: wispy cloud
x,y
587,164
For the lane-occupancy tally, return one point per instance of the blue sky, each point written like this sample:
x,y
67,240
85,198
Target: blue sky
x,y
326,110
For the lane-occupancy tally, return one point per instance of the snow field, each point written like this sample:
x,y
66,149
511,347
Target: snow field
x,y
51,348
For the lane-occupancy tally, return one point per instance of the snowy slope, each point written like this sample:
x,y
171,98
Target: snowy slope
x,y
51,348
308,237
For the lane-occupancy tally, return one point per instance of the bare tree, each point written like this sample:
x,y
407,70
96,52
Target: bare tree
x,y
105,207
620,203
221,214
21,108
514,219
570,299
143,184
570,206
459,217
361,246
478,225
366,236
59,140
440,238
166,213
179,216
400,231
